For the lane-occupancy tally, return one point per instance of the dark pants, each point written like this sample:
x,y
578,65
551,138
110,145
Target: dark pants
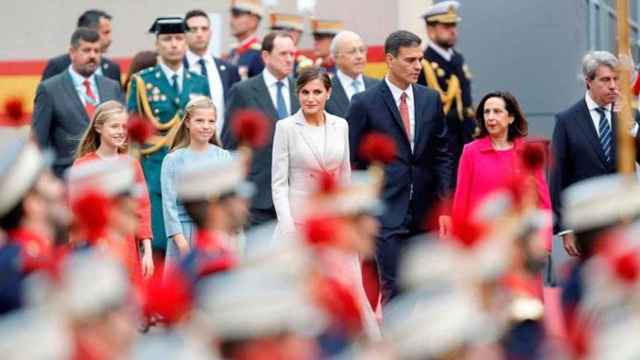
x,y
261,216
392,242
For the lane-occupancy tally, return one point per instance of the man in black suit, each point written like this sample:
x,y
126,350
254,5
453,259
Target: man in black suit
x,y
65,103
273,93
350,54
584,141
220,74
420,175
100,21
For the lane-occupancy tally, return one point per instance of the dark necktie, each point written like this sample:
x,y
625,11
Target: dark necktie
x,y
605,133
203,68
281,105
174,80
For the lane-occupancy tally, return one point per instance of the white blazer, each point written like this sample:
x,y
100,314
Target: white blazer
x,y
297,159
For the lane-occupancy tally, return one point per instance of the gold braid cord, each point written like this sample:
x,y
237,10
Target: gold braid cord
x,y
156,142
454,92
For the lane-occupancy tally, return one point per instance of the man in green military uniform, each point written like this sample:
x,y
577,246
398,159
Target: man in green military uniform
x,y
445,70
160,94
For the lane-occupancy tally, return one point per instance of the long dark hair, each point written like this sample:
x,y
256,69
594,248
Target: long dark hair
x,y
519,128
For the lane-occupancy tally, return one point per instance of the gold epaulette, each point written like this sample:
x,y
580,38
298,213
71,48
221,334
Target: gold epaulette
x,y
155,143
454,91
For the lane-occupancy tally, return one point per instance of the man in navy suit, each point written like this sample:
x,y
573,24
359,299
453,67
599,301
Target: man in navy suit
x,y
584,141
221,75
99,21
420,175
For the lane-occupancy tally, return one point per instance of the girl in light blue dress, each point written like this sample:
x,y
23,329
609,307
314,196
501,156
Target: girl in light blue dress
x,y
195,140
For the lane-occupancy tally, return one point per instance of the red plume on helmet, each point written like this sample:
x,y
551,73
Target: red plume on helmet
x,y
339,302
466,232
321,230
378,148
250,128
327,182
622,258
14,111
92,210
532,156
167,295
139,129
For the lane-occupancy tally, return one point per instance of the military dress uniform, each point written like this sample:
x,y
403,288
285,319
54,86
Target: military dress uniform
x,y
153,96
451,78
247,58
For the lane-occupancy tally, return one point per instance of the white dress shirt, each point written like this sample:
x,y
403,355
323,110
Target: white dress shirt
x,y
169,74
347,83
595,116
81,89
396,92
216,90
271,81
447,54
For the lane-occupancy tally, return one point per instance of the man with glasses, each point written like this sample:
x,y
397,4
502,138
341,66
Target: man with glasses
x,y
245,18
350,54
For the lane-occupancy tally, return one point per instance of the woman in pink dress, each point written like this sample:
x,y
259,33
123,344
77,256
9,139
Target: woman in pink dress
x,y
493,159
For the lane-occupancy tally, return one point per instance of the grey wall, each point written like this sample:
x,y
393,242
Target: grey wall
x,y
531,48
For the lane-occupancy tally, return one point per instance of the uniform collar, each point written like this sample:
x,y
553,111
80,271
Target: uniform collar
x,y
169,73
447,54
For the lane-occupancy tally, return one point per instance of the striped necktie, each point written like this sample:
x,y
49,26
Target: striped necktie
x,y
605,133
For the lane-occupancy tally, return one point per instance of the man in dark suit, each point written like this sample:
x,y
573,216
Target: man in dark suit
x,y
273,93
221,75
100,21
65,103
350,54
420,175
584,141
444,70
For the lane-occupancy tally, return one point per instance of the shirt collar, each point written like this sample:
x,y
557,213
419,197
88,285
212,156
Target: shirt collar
x,y
346,79
592,105
447,54
193,59
271,80
169,73
79,79
397,92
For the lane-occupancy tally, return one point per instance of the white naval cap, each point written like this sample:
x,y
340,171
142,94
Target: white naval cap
x,y
214,177
20,163
249,304
111,176
93,283
600,201
445,12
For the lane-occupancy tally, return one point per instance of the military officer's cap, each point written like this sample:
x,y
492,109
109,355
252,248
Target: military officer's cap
x,y
168,25
281,21
210,178
600,201
250,6
20,164
445,12
326,27
113,177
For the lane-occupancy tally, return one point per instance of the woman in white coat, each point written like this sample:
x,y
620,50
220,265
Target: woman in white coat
x,y
305,144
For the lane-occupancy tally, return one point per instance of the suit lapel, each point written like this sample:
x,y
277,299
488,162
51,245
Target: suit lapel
x,y
390,102
293,98
102,90
69,88
222,73
340,94
589,131
263,97
299,126
419,104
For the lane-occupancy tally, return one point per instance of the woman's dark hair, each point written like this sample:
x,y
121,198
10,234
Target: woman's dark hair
x,y
142,60
519,127
311,73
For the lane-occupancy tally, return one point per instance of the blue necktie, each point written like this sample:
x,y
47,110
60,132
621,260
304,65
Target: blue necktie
x,y
605,133
281,106
357,86
203,69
